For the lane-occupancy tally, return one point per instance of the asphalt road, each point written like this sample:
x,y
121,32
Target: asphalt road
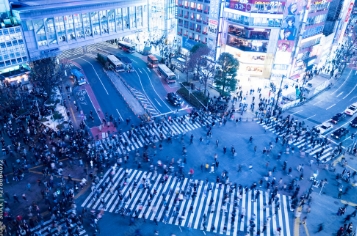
x,y
146,81
108,97
324,106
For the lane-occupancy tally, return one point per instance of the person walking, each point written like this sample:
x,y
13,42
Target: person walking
x,y
16,198
24,197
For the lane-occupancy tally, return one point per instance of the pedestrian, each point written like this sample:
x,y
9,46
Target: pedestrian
x,y
28,186
16,199
24,197
212,169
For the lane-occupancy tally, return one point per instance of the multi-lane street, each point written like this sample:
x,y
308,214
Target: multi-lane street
x,y
108,97
335,100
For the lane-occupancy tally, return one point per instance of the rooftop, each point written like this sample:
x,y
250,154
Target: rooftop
x,y
29,5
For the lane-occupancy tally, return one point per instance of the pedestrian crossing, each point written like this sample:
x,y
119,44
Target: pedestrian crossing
x,y
213,207
149,134
60,227
303,142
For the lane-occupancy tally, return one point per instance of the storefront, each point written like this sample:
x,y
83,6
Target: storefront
x,y
250,63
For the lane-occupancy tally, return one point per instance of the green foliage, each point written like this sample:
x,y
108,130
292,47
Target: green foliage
x,y
225,78
196,99
47,73
198,46
57,115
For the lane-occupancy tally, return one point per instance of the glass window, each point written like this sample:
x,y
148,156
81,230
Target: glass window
x,y
51,32
139,16
119,19
111,20
78,26
125,18
68,19
104,22
95,22
40,32
86,24
132,17
61,31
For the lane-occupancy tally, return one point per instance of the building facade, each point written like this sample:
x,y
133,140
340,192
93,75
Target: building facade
x,y
251,33
50,29
198,22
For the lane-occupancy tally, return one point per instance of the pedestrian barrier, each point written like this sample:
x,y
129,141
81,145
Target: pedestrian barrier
x,y
215,207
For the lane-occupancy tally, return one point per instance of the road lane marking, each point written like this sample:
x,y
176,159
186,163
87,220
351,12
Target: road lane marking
x,y
353,98
350,91
310,117
342,83
296,112
331,106
96,74
120,115
155,90
316,102
148,69
339,94
157,102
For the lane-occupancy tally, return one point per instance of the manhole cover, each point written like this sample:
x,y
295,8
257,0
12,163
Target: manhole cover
x,y
336,202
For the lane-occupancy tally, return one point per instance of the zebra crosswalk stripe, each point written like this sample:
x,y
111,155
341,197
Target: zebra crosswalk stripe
x,y
303,142
218,215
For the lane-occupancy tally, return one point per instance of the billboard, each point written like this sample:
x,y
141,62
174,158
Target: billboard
x,y
261,6
289,31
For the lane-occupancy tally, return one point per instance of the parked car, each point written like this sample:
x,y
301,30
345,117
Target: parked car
x,y
353,123
174,99
339,133
338,117
323,128
351,110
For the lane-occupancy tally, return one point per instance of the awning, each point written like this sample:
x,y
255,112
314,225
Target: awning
x,y
188,43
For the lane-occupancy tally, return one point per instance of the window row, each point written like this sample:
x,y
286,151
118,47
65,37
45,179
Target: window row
x,y
192,35
10,31
322,6
195,27
77,26
194,17
247,45
316,19
310,43
249,33
190,4
253,21
312,31
4,57
13,61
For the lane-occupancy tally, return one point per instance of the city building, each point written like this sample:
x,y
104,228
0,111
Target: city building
x,y
34,29
251,33
197,22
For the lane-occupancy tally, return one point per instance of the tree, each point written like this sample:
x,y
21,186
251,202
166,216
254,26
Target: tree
x,y
46,74
206,74
193,59
226,72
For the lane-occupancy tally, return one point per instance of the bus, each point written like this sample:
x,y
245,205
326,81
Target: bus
x,y
126,47
115,63
165,72
152,61
78,76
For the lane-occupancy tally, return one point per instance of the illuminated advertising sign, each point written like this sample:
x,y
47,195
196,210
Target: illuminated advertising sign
x,y
271,6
